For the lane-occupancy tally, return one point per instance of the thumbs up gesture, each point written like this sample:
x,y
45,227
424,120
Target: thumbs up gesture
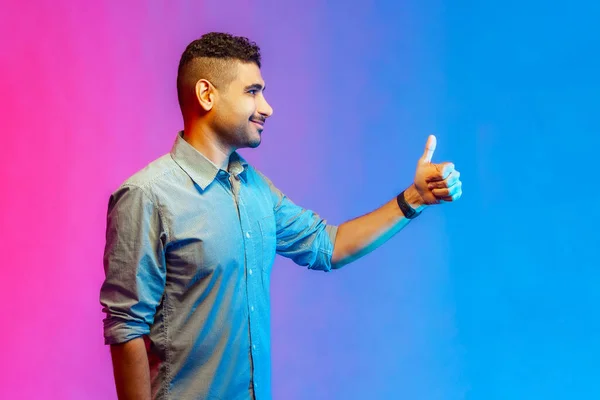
x,y
436,183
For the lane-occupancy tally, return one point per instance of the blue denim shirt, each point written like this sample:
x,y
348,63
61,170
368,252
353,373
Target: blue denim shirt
x,y
189,251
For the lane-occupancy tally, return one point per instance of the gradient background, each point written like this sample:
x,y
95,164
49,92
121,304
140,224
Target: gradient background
x,y
495,297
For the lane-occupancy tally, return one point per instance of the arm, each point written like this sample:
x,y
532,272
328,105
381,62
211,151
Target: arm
x,y
130,367
360,236
300,234
135,269
433,184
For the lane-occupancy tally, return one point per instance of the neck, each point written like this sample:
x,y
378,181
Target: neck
x,y
207,142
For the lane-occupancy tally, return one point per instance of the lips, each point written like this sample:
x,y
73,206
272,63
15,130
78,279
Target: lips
x,y
260,124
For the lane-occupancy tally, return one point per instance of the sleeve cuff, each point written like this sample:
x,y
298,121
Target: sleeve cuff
x,y
116,332
323,259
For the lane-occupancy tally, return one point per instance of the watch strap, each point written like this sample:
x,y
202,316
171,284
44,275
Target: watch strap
x,y
406,209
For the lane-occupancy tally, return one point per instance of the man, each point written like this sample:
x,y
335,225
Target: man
x,y
192,237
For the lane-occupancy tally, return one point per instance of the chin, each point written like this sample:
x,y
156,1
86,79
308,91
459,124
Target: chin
x,y
254,143
249,139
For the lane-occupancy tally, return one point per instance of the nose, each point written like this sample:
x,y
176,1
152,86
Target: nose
x,y
265,108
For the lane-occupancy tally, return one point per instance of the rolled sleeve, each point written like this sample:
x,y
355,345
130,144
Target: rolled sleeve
x,y
302,235
134,265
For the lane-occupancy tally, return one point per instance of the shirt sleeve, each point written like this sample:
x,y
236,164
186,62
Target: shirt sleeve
x,y
301,235
134,265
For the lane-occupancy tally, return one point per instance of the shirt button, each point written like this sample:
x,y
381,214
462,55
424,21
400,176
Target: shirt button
x,y
248,235
250,271
251,308
253,347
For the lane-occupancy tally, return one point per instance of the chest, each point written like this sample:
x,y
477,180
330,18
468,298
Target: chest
x,y
220,230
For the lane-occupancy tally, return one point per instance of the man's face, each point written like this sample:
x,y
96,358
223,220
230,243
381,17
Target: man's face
x,y
241,109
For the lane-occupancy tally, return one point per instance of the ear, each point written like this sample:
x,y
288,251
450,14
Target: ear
x,y
205,94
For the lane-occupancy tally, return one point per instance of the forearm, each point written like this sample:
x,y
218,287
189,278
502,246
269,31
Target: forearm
x,y
362,235
131,370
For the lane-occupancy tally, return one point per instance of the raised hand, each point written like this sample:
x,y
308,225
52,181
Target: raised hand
x,y
436,183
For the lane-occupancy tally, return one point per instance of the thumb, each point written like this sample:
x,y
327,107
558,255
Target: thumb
x,y
429,149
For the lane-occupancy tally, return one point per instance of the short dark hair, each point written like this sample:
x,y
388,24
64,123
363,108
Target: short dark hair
x,y
211,57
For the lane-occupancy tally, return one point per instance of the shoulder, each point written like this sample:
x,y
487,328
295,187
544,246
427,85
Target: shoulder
x,y
148,179
151,173
259,179
258,176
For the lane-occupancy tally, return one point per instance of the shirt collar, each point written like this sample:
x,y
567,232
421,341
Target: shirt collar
x,y
201,169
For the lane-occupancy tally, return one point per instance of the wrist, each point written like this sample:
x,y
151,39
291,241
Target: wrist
x,y
414,199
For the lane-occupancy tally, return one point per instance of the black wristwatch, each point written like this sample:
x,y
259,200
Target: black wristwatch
x,y
407,210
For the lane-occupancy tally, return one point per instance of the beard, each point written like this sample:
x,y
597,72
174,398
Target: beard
x,y
254,143
240,135
236,130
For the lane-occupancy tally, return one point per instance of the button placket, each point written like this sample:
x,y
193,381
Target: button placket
x,y
253,277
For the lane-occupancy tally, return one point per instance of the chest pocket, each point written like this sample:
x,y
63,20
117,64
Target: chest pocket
x,y
268,243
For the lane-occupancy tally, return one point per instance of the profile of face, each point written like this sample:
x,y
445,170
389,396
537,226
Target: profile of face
x,y
240,108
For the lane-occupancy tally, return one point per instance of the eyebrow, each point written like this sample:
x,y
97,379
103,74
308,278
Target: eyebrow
x,y
256,86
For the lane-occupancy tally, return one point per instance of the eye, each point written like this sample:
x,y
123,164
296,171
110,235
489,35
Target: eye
x,y
253,91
